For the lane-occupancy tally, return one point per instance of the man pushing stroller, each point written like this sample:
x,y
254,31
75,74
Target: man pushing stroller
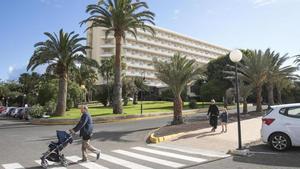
x,y
85,125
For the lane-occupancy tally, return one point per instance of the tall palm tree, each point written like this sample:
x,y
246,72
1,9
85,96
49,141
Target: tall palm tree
x,y
86,77
253,70
280,84
119,17
177,73
60,52
276,71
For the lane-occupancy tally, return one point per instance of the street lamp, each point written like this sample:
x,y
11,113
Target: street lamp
x,y
236,56
142,97
24,99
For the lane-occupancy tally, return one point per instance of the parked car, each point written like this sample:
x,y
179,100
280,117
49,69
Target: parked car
x,y
10,110
18,112
15,112
2,110
281,126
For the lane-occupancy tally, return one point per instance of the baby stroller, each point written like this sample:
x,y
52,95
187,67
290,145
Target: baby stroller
x,y
54,152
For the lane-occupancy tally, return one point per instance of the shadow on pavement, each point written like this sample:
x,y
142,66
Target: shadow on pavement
x,y
116,136
262,154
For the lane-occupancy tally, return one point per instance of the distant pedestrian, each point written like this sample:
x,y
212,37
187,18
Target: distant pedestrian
x,y
85,125
224,119
213,113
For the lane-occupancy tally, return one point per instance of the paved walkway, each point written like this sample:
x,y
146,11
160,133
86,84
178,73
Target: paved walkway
x,y
217,141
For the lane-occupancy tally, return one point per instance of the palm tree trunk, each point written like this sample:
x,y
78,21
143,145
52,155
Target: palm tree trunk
x,y
117,102
177,110
270,88
279,99
258,99
62,95
245,108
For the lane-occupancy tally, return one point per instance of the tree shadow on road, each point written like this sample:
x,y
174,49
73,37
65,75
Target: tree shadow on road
x,y
116,136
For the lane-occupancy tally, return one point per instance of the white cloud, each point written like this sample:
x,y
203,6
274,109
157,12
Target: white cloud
x,y
259,3
175,14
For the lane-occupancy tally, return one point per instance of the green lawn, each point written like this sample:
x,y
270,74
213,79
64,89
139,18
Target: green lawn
x,y
148,107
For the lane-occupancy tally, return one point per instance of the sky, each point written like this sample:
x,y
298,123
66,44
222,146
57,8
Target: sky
x,y
251,24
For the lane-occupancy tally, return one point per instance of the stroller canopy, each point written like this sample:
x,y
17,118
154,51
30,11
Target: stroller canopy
x,y
63,136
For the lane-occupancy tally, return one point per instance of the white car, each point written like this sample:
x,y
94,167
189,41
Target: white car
x,y
281,126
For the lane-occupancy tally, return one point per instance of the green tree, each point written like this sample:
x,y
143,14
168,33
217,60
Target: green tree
x,y
86,78
61,52
217,84
119,17
177,73
276,71
253,70
139,83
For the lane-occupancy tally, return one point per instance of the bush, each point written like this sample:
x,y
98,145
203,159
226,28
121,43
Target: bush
x,y
70,104
193,104
36,111
50,107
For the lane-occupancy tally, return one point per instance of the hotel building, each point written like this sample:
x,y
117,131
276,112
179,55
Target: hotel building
x,y
139,53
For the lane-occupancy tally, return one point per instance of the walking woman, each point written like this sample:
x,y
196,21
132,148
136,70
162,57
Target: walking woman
x,y
213,113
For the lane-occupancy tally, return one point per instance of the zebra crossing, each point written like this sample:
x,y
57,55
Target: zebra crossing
x,y
140,157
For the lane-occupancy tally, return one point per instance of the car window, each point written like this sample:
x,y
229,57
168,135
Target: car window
x,y
293,112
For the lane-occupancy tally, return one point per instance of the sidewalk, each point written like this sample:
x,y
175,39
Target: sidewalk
x,y
217,141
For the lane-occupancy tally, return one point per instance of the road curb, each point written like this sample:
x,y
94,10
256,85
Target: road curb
x,y
155,140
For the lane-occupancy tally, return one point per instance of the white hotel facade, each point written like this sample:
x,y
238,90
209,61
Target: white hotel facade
x,y
139,53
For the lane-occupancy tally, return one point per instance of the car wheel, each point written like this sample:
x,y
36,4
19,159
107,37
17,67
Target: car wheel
x,y
280,142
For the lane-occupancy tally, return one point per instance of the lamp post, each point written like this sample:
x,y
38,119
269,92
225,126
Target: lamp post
x,y
236,56
142,97
24,100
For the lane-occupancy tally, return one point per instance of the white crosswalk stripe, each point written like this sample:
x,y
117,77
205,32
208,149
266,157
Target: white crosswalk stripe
x,y
121,162
150,159
12,166
191,151
185,155
89,165
167,154
50,163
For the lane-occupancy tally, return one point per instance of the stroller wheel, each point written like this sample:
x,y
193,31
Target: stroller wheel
x,y
44,164
64,163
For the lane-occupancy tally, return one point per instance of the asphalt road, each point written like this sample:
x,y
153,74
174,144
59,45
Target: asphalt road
x,y
22,143
261,157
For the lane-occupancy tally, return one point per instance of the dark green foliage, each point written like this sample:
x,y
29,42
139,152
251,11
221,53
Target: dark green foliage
x,y
193,104
167,95
101,93
217,84
213,89
36,111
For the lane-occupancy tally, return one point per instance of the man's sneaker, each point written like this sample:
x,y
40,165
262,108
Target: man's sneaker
x,y
98,155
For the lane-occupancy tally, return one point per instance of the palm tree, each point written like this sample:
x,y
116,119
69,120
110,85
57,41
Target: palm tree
x,y
280,84
253,71
60,52
86,77
119,17
177,73
245,91
276,71
139,83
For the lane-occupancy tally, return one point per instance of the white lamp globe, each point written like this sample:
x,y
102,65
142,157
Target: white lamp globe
x,y
235,55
